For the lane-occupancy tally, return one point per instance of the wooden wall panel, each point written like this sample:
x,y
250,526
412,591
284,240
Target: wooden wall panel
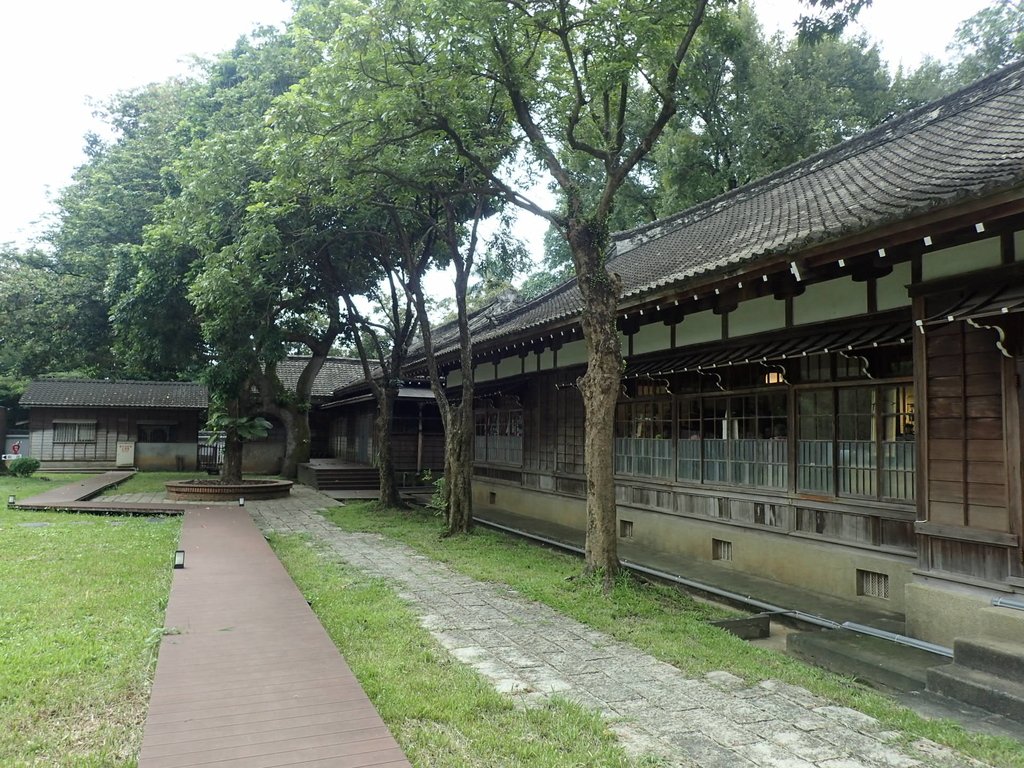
x,y
966,458
991,518
985,407
987,494
946,490
988,472
945,365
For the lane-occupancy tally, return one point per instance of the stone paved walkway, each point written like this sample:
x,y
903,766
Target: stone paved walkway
x,y
531,652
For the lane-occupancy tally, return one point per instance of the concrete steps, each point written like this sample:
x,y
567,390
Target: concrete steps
x,y
341,478
987,675
878,662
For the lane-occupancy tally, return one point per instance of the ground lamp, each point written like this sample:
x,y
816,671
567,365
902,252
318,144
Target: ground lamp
x,y
10,500
241,501
179,558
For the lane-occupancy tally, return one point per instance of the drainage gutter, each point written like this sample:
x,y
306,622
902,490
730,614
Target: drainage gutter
x,y
807,618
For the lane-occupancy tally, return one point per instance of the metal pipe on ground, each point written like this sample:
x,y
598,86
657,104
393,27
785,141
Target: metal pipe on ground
x,y
1008,602
910,642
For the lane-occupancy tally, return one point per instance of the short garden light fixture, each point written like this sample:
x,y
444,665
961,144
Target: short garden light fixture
x,y
179,558
241,501
10,500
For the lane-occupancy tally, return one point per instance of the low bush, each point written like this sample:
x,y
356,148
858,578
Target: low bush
x,y
23,467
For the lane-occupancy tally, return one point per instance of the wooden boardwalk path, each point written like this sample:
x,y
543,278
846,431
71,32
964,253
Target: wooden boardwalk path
x,y
252,679
77,497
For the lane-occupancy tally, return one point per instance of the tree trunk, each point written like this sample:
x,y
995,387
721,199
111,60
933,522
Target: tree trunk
x,y
231,471
600,387
459,468
294,416
389,495
297,441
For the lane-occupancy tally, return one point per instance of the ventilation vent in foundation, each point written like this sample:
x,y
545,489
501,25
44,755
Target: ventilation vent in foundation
x,y
625,529
492,498
873,584
721,549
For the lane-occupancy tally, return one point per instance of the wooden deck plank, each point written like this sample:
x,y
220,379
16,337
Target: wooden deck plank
x,y
97,507
76,497
251,677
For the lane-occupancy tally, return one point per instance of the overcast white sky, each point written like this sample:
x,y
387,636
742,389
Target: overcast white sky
x,y
58,55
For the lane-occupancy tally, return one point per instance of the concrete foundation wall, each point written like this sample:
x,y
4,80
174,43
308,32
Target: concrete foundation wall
x,y
560,510
262,458
169,457
818,566
940,612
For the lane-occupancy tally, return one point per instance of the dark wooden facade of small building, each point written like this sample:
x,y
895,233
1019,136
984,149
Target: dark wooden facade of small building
x,y
167,440
91,423
417,435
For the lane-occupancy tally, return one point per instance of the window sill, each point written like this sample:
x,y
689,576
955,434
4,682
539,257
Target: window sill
x,y
959,533
960,578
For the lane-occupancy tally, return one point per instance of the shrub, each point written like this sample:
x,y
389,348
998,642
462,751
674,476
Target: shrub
x,y
24,466
439,498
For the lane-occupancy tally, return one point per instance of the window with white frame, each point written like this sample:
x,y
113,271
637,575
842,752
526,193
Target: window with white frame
x,y
74,431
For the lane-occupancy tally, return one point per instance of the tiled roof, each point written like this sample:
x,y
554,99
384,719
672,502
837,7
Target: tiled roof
x,y
967,145
481,321
337,372
102,393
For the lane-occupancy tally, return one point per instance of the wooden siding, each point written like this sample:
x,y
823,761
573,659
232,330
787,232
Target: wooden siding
x,y
970,497
112,426
966,467
352,435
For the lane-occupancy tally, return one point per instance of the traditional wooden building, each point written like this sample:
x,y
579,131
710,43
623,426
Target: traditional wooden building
x,y
417,435
90,423
344,410
821,375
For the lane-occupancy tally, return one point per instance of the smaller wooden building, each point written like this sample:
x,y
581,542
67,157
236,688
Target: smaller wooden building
x,y
417,435
90,423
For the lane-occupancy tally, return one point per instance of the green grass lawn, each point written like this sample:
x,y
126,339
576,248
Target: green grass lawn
x,y
81,610
657,619
441,712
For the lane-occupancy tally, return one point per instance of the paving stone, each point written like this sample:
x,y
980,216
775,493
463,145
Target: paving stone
x,y
850,717
807,746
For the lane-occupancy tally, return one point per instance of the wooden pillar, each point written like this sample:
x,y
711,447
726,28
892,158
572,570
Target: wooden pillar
x,y
419,442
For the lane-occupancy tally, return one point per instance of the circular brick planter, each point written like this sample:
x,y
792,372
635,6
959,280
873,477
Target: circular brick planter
x,y
214,490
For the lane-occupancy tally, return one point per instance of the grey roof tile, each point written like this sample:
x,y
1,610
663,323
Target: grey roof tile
x,y
969,144
103,393
336,373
